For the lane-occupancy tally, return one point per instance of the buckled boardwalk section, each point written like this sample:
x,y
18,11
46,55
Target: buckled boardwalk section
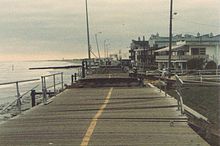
x,y
103,116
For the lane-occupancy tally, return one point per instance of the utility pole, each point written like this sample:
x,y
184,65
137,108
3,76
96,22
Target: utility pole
x,y
88,39
107,49
104,48
144,59
170,37
217,60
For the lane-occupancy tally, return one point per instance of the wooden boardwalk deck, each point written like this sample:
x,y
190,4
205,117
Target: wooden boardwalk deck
x,y
119,116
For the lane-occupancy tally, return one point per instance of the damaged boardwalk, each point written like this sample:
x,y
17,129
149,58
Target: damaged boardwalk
x,y
104,116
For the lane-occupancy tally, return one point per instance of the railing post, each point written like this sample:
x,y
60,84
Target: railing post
x,y
83,69
165,89
86,64
71,79
179,82
62,80
42,83
44,90
160,84
18,97
79,72
54,84
33,93
180,102
75,74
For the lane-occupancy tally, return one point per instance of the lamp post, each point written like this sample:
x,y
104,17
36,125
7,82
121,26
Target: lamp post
x,y
170,37
105,48
88,39
97,43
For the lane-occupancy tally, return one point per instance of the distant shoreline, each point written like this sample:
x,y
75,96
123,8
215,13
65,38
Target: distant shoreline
x,y
56,67
62,60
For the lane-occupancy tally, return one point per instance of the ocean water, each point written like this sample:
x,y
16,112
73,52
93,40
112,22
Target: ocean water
x,y
16,71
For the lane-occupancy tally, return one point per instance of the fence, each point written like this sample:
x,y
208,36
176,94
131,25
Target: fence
x,y
207,128
180,84
202,80
197,72
44,91
18,95
45,88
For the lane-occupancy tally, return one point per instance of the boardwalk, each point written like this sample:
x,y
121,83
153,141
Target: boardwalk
x,y
119,116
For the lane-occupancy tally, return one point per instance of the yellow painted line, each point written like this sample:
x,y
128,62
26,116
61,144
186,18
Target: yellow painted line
x,y
94,121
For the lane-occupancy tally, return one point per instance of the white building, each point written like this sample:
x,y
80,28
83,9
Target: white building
x,y
206,46
157,41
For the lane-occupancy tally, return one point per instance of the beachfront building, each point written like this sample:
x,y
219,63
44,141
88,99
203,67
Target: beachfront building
x,y
140,54
157,41
189,47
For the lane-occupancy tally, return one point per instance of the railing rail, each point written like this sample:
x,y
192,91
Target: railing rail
x,y
18,95
52,74
180,85
55,83
16,100
21,81
206,80
197,72
44,89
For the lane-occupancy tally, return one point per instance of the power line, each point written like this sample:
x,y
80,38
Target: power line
x,y
93,54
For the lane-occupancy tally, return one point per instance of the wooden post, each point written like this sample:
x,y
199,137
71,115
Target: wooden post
x,y
165,89
75,75
200,78
44,89
86,64
54,84
71,79
33,93
62,81
83,69
160,84
181,103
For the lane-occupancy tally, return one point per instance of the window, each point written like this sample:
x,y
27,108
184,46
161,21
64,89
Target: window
x,y
195,51
202,51
180,52
198,51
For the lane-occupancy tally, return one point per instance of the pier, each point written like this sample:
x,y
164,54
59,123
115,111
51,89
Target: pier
x,y
125,115
56,67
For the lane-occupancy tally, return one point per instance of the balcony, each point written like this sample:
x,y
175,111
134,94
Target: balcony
x,y
164,58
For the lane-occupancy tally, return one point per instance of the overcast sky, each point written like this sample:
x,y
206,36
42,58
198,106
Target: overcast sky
x,y
55,29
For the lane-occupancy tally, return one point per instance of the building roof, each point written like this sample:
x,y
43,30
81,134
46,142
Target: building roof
x,y
173,48
141,43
